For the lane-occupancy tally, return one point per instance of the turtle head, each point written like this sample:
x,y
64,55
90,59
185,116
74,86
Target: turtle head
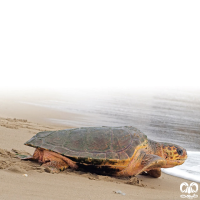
x,y
173,154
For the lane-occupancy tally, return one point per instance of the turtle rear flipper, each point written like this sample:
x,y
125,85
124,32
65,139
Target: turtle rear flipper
x,y
144,162
55,166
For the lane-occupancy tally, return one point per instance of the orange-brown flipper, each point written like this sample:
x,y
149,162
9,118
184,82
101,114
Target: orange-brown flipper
x,y
51,160
143,162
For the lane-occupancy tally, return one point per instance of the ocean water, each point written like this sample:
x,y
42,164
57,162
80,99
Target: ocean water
x,y
165,116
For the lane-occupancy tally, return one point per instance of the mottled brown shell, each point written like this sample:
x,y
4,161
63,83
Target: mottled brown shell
x,y
90,144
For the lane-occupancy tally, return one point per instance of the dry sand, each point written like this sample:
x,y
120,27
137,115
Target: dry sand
x,y
27,180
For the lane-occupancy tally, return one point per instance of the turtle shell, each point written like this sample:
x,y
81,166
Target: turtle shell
x,y
92,144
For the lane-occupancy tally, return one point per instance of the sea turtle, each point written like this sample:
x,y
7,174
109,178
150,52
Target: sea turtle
x,y
118,151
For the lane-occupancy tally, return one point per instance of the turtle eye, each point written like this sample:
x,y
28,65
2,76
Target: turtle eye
x,y
180,151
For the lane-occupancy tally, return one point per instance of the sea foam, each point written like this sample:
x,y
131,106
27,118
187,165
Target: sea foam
x,y
190,170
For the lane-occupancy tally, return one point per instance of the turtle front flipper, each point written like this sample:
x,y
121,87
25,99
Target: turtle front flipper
x,y
142,162
154,173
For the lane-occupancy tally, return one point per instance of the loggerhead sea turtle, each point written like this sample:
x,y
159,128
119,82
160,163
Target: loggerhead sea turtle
x,y
118,151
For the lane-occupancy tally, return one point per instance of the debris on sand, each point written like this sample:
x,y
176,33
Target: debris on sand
x,y
25,175
119,192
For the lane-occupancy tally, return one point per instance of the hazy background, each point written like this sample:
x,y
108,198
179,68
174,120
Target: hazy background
x,y
99,69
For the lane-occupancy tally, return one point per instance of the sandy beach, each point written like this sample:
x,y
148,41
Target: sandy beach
x,y
27,180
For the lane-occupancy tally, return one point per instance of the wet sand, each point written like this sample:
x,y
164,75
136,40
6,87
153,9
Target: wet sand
x,y
27,180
